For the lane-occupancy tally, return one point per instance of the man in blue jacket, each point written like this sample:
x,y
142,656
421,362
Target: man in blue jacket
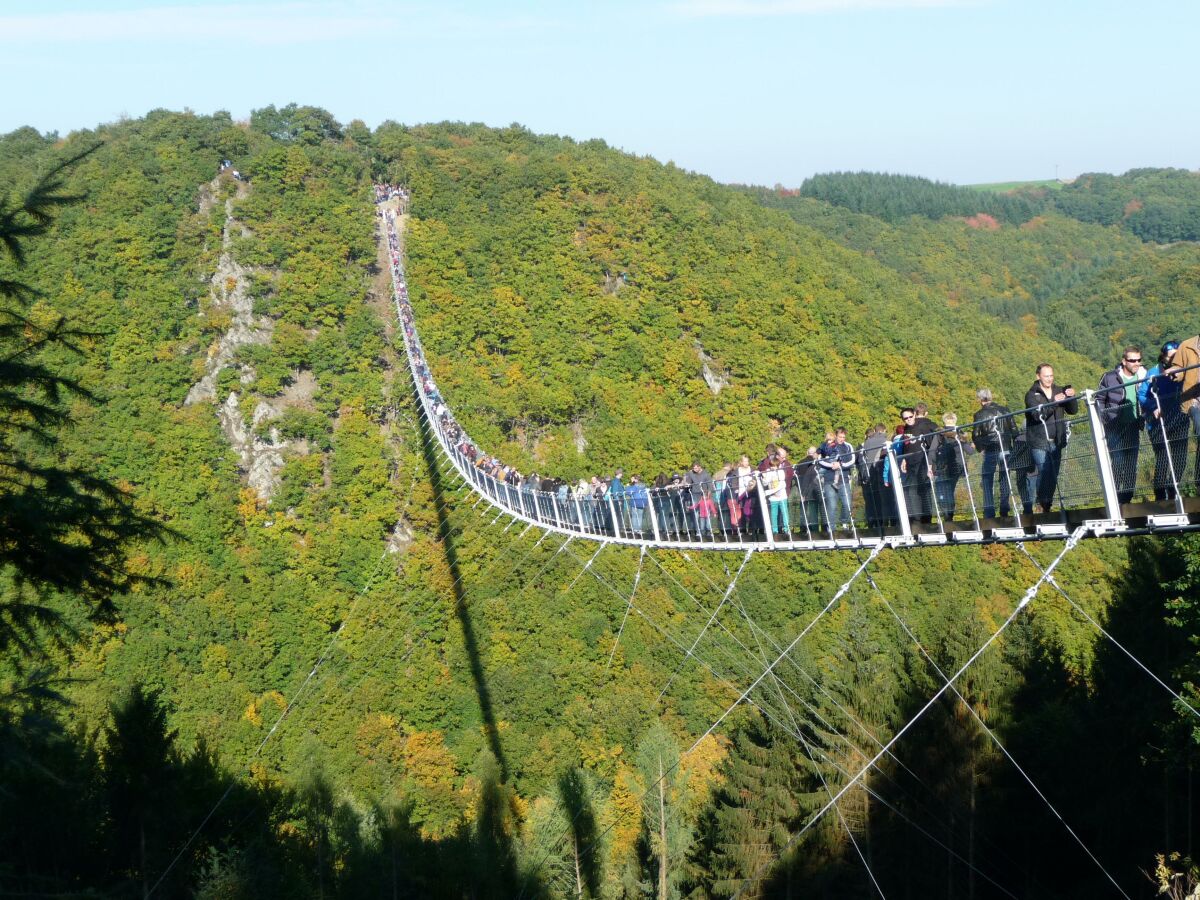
x,y
1166,424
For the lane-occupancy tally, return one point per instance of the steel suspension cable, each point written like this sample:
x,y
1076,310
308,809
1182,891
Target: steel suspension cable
x,y
1071,541
1100,628
716,612
995,740
780,684
772,717
636,579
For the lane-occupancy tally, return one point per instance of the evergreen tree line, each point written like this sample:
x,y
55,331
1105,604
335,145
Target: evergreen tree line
x,y
1161,206
896,197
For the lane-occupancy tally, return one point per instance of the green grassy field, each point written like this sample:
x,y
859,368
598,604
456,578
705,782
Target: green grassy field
x,y
1001,187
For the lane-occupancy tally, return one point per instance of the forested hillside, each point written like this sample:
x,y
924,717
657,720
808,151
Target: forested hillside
x,y
1156,205
461,720
1093,288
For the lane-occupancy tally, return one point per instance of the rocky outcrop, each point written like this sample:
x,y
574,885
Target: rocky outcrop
x,y
228,292
714,378
259,460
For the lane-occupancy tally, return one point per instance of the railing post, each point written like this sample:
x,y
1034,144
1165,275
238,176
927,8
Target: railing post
x,y
653,515
762,507
612,510
898,493
1112,504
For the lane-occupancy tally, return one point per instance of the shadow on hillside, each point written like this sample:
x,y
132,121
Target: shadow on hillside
x,y
1117,757
447,532
84,818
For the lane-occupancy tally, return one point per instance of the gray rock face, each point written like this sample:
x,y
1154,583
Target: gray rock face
x,y
228,292
259,460
713,378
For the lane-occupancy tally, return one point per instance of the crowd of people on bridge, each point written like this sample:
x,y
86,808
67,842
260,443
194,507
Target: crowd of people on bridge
x,y
919,461
385,192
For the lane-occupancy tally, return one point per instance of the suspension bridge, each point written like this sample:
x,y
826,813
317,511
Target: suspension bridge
x,y
1097,480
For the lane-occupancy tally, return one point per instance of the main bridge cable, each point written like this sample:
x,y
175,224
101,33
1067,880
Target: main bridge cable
x,y
288,706
699,637
1091,621
992,735
387,230
1069,545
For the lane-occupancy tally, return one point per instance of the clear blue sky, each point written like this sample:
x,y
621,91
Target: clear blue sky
x,y
760,91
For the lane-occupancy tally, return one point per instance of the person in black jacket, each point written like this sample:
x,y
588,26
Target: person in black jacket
x,y
1118,403
1046,409
870,460
992,435
920,450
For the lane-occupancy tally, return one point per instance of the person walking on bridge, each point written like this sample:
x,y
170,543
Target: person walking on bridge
x,y
870,467
699,487
639,499
1047,406
837,468
919,454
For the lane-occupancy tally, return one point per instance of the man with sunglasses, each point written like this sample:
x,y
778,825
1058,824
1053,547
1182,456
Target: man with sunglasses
x,y
1117,401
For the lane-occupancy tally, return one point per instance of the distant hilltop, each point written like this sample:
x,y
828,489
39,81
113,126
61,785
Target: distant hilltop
x,y
1159,206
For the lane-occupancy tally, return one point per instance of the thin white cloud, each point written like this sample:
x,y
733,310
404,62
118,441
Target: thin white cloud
x,y
763,8
278,23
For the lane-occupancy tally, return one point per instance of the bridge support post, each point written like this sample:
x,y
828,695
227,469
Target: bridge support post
x,y
653,516
1112,503
898,493
612,511
764,510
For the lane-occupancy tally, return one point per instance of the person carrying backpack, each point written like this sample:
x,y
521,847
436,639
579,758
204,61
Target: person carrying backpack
x,y
992,436
950,466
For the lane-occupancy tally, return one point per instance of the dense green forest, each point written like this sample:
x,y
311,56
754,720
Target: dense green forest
x,y
207,367
1157,205
1094,289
